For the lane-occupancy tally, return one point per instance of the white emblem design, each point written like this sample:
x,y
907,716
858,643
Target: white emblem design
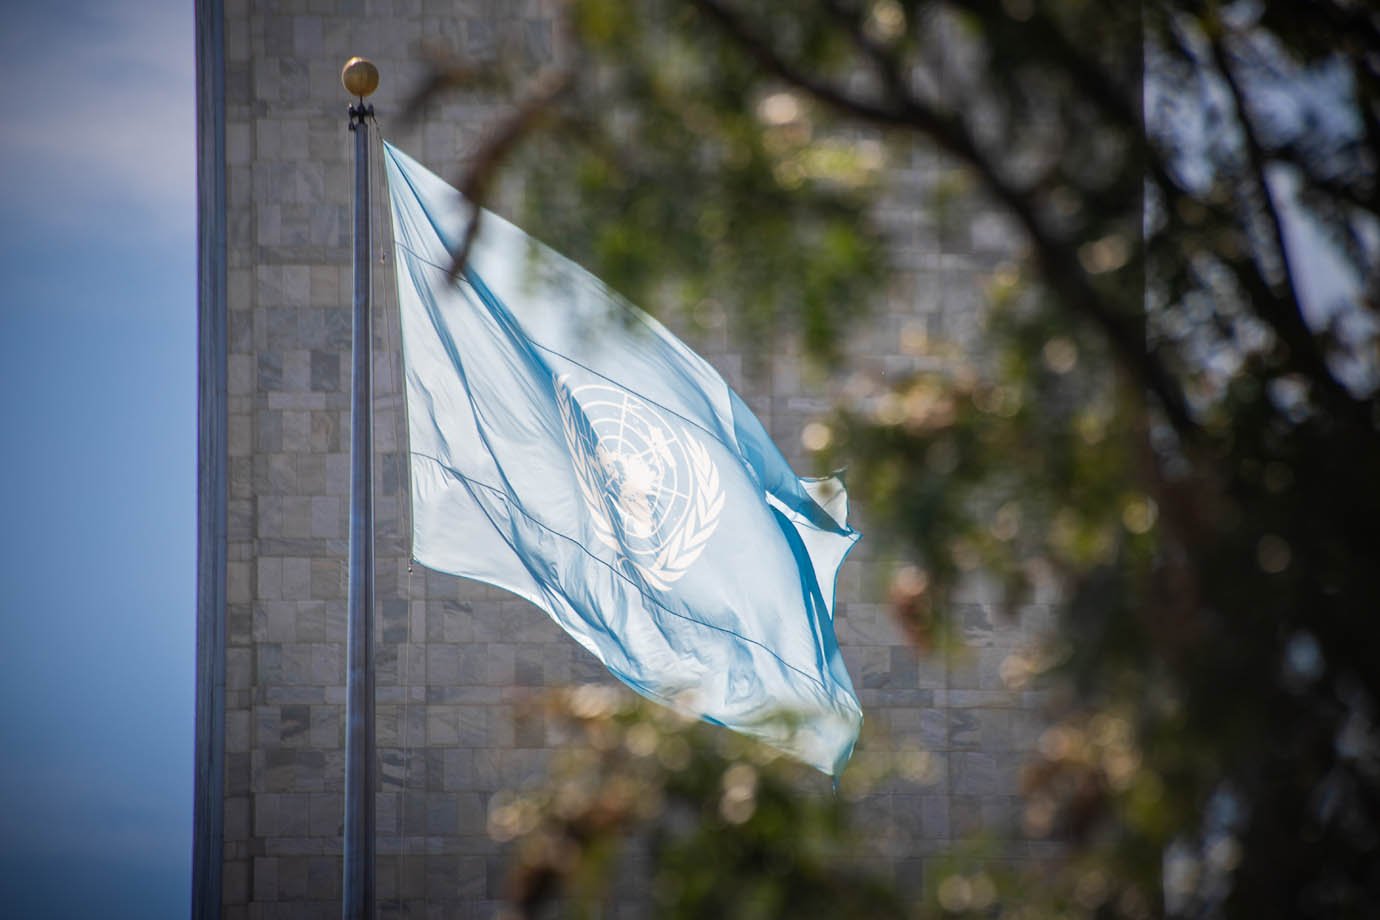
x,y
653,495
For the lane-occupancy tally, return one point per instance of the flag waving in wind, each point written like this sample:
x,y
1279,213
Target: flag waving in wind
x,y
566,447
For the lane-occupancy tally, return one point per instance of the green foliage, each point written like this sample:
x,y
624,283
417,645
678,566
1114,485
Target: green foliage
x,y
1166,423
686,182
732,828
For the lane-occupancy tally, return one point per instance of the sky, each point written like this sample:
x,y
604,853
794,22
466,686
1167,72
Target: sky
x,y
98,470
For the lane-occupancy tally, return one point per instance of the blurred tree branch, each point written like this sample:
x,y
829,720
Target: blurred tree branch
x,y
951,134
1164,419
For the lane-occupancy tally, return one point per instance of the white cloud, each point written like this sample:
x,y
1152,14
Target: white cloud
x,y
99,126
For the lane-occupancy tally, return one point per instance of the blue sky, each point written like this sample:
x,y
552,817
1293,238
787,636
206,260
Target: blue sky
x,y
98,470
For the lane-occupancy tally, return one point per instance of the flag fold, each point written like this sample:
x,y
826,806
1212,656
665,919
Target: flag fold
x,y
566,447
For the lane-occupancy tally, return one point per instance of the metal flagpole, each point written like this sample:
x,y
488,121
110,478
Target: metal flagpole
x,y
360,78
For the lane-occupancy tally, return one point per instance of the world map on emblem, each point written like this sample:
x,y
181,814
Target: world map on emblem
x,y
651,488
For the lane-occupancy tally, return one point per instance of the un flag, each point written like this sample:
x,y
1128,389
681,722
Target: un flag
x,y
566,447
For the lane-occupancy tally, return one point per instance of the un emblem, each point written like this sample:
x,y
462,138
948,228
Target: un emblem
x,y
652,492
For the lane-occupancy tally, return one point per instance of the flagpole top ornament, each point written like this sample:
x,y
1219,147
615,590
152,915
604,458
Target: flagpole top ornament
x,y
360,77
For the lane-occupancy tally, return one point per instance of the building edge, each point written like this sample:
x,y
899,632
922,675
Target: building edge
x,y
208,834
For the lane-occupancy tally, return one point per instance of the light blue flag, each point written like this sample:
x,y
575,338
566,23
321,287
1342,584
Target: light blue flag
x,y
566,447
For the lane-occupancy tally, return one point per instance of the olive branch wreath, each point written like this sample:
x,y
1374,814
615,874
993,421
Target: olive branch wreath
x,y
687,542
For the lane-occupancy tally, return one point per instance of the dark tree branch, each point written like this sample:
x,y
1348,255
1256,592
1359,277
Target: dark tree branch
x,y
1259,182
1048,44
770,61
1057,262
443,77
474,184
1339,188
1284,311
883,62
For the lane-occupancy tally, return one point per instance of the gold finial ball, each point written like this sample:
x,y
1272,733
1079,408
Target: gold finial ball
x,y
359,76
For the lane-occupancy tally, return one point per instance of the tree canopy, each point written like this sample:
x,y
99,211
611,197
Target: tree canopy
x,y
1172,414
